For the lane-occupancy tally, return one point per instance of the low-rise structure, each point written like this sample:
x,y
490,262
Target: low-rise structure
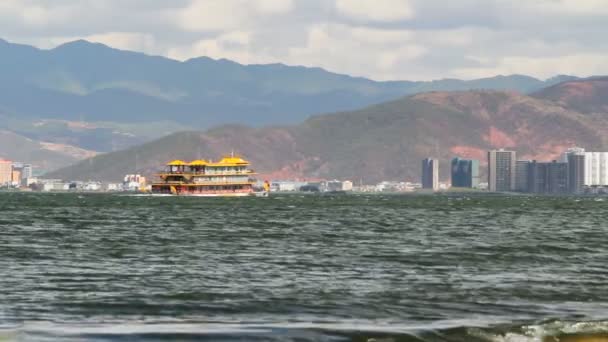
x,y
134,182
54,185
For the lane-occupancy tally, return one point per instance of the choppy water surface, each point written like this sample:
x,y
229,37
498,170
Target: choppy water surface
x,y
303,268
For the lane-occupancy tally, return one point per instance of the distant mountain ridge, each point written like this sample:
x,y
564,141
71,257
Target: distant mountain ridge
x,y
587,96
92,82
382,142
99,99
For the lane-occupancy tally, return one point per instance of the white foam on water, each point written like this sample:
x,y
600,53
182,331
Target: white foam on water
x,y
537,333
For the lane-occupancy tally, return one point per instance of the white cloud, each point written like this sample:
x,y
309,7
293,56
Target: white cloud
x,y
125,40
220,15
32,14
570,6
232,45
273,6
352,50
210,16
376,10
381,39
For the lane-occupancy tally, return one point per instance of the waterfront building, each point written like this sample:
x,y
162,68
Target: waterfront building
x,y
284,186
548,178
91,186
133,182
347,186
6,172
501,170
596,166
27,171
20,173
465,173
576,172
311,187
16,176
54,185
333,185
430,174
113,187
26,182
571,150
521,175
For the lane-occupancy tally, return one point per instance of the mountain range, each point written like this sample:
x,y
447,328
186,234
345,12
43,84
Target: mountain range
x,y
85,98
388,140
82,81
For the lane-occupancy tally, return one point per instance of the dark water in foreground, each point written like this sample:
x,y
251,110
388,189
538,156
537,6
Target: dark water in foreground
x,y
302,268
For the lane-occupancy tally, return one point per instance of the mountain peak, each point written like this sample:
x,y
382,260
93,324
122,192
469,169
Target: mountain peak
x,y
79,44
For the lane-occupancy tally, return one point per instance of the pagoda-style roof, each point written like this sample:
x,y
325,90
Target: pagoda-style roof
x,y
199,162
231,161
177,163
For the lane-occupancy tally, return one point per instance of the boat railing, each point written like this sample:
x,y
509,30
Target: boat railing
x,y
210,173
219,182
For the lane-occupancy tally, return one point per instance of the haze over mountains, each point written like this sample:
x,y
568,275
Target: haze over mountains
x,y
92,82
387,141
81,99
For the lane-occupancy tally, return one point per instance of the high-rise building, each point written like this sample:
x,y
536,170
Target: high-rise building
x,y
27,172
521,175
16,176
501,170
430,174
548,178
596,166
576,172
6,172
557,180
465,173
578,150
21,172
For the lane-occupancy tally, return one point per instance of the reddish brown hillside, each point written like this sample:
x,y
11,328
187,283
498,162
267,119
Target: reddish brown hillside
x,y
586,96
386,141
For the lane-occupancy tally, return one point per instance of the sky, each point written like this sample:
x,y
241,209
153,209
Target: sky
x,y
378,39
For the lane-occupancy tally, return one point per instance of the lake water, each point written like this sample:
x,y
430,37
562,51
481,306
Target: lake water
x,y
302,268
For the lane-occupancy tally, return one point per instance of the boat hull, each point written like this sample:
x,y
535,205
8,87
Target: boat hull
x,y
244,194
211,194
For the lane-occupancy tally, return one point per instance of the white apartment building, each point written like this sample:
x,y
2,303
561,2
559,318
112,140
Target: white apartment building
x,y
596,166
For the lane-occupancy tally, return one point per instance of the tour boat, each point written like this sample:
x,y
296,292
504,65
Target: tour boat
x,y
229,177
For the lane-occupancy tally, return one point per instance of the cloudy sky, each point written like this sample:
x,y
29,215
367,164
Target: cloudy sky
x,y
380,39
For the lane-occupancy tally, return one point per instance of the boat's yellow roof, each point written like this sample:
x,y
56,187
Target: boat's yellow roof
x,y
177,163
231,161
199,162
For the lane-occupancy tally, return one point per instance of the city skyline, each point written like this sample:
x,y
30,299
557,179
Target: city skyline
x,y
574,172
